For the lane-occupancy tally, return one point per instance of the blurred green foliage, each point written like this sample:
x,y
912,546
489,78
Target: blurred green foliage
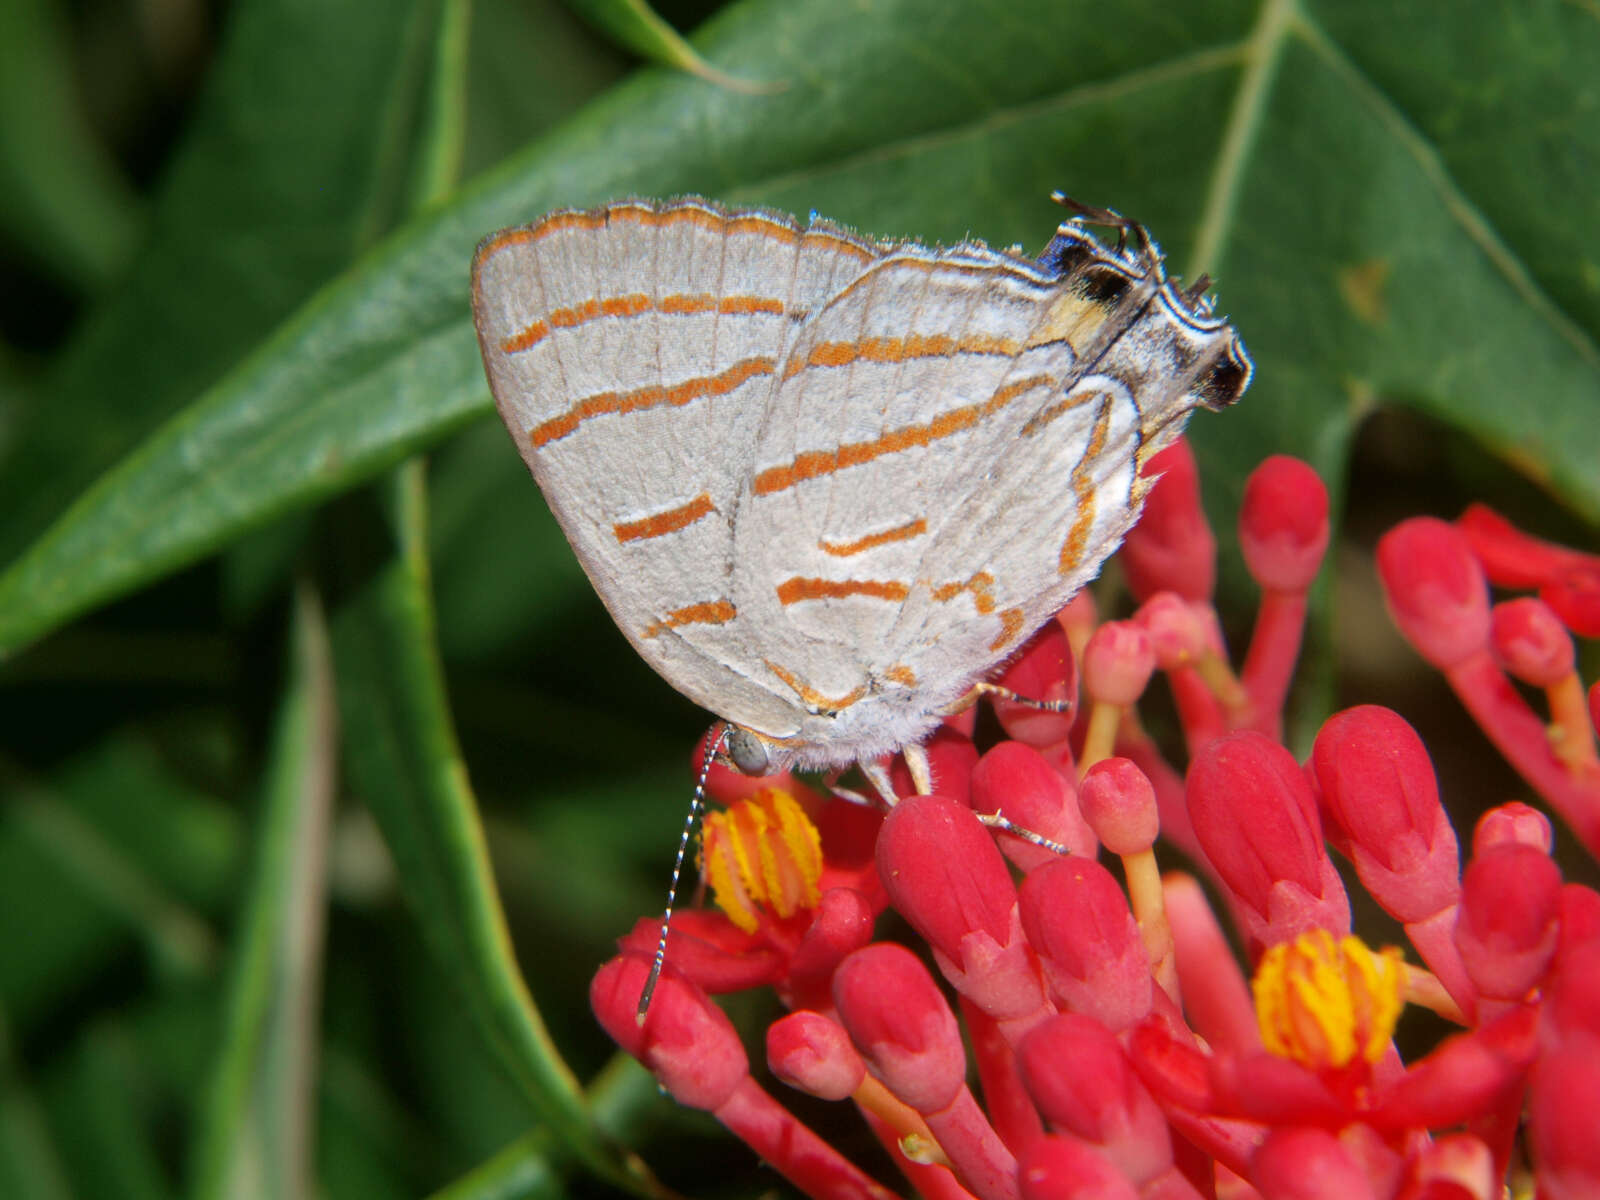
x,y
258,932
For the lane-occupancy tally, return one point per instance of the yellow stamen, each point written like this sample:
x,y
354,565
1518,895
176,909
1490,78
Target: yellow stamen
x,y
1325,1003
762,853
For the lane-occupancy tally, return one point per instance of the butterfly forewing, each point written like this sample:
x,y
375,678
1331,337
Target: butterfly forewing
x,y
630,350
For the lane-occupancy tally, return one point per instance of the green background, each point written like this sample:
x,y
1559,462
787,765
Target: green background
x,y
255,640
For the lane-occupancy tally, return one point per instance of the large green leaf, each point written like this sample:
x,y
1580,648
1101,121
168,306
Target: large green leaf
x,y
404,760
255,1130
299,158
1365,231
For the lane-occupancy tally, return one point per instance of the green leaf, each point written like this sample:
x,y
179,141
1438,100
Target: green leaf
x,y
298,158
254,1135
1359,266
405,763
62,201
636,25
30,1161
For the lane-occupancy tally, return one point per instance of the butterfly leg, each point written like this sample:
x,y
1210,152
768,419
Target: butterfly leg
x,y
1005,693
878,777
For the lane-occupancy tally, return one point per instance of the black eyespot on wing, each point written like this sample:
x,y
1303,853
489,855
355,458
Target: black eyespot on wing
x,y
1101,284
1226,381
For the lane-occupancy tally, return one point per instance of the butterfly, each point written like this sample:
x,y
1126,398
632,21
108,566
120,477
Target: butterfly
x,y
824,484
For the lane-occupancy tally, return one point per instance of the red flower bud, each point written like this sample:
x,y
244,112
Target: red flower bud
x,y
1076,1072
1044,671
1118,663
944,874
812,1053
898,1019
1179,634
1378,788
1256,820
1530,642
1172,547
1119,802
1513,824
1077,919
1435,590
1509,920
1020,783
686,1041
1283,524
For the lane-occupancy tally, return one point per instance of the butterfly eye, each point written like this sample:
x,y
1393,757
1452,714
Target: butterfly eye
x,y
748,751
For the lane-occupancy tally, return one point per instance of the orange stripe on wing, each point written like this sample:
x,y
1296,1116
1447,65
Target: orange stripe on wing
x,y
810,695
900,533
654,396
980,585
1010,629
899,349
813,463
669,521
636,304
1082,481
792,591
707,612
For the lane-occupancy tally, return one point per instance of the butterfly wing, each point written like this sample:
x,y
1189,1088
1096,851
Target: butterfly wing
x,y
952,449
631,350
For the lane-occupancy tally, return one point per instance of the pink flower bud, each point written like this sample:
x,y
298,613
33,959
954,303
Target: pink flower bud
x,y
1509,920
1019,783
1077,919
1058,1168
1179,634
1513,824
686,1041
900,1022
1378,788
1044,671
1308,1164
1283,524
812,1053
1256,820
1077,1074
1119,802
1435,590
1530,642
1118,663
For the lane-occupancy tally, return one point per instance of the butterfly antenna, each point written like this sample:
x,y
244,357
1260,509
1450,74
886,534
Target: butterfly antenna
x,y
696,806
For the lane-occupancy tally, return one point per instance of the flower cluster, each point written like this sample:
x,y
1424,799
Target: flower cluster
x,y
1118,1048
